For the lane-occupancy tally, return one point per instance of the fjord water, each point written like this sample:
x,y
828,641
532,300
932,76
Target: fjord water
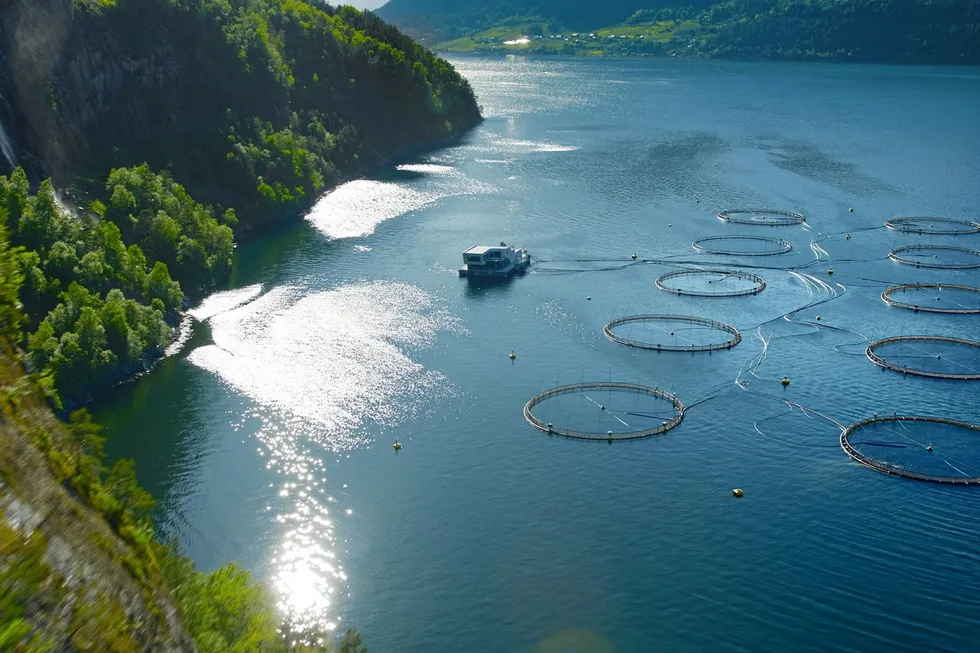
x,y
268,437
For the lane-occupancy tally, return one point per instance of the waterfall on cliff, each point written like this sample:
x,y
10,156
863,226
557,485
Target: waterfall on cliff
x,y
6,147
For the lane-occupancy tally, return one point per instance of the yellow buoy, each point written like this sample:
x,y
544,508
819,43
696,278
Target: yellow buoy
x,y
785,381
737,492
512,355
397,445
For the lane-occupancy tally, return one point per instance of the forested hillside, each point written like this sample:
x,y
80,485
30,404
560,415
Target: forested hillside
x,y
256,105
886,31
176,124
80,566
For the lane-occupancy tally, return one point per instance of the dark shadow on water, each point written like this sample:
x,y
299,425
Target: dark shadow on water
x,y
486,287
396,175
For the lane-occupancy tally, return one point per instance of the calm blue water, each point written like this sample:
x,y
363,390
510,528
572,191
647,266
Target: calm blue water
x,y
268,438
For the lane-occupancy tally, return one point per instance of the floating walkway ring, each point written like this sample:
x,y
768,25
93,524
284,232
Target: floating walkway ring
x,y
758,282
904,369
892,470
762,217
929,308
734,339
781,246
917,225
586,435
897,255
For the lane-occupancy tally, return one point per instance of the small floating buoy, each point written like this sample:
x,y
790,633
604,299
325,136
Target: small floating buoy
x,y
929,448
737,492
670,224
851,210
847,237
512,355
633,257
785,381
939,355
589,298
397,445
602,407
876,415
818,318
830,271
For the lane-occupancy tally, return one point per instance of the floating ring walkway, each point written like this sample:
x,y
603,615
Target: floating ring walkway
x,y
882,361
756,284
734,339
781,246
762,217
897,255
891,470
917,225
587,435
960,309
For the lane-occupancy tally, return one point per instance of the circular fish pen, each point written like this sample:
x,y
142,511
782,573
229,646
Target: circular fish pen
x,y
928,256
934,298
932,356
711,283
762,217
929,449
935,226
604,411
742,245
672,333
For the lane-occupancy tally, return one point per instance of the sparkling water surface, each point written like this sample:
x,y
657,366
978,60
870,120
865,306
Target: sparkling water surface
x,y
268,437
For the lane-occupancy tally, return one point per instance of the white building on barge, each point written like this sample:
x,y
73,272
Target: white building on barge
x,y
489,261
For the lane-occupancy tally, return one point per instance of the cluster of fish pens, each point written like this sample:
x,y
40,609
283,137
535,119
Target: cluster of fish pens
x,y
625,411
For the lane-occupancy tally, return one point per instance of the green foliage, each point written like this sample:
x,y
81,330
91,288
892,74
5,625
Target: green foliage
x,y
11,313
157,213
96,307
23,572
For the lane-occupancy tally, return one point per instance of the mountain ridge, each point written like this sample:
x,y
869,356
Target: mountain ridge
x,y
864,31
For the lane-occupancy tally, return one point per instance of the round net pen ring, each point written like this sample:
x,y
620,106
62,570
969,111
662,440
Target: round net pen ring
x,y
753,286
710,245
928,225
900,255
663,427
733,336
762,217
960,309
894,470
967,374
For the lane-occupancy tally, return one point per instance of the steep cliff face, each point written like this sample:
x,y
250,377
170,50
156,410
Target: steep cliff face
x,y
74,87
258,105
67,582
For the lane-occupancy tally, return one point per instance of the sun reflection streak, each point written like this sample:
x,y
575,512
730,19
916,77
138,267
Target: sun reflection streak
x,y
318,367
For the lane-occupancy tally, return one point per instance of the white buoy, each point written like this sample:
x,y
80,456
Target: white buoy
x,y
737,493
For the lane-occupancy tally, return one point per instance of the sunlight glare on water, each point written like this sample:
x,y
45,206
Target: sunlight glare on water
x,y
318,366
356,208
